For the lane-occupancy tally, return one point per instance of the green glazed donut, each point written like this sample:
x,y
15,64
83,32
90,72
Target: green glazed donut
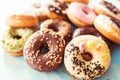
x,y
13,39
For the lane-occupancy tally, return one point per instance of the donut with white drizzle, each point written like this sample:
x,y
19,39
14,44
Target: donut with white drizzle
x,y
107,7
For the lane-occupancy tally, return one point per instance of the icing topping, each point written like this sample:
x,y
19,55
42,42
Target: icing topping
x,y
91,43
81,46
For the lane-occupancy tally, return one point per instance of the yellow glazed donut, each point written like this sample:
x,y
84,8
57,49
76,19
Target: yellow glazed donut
x,y
108,7
87,57
22,20
109,27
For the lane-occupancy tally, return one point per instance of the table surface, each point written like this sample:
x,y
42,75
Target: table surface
x,y
15,68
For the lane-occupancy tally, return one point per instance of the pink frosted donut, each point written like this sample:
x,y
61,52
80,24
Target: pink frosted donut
x,y
80,14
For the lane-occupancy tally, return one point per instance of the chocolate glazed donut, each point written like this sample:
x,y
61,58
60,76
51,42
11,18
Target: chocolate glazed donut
x,y
61,27
44,50
92,31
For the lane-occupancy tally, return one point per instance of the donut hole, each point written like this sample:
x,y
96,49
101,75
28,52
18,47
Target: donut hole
x,y
85,11
53,27
44,48
17,37
87,56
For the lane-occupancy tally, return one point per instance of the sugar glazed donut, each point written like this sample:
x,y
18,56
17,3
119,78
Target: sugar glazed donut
x,y
22,20
109,27
87,57
13,40
80,14
44,50
108,7
56,9
61,27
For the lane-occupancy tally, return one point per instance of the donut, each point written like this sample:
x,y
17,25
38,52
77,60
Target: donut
x,y
82,1
38,9
108,8
22,20
13,40
92,31
61,27
44,50
87,57
109,27
80,14
86,30
56,9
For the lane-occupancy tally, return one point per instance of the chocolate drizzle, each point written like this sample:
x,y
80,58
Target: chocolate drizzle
x,y
111,7
59,8
116,22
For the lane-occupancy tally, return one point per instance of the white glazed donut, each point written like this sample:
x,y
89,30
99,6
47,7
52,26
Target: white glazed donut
x,y
108,7
109,27
87,57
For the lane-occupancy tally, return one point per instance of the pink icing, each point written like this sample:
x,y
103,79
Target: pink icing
x,y
82,12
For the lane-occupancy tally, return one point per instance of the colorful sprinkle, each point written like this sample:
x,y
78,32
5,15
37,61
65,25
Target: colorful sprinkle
x,y
90,43
82,46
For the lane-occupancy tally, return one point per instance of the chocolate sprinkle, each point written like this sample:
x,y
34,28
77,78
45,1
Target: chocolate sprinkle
x,y
87,69
91,70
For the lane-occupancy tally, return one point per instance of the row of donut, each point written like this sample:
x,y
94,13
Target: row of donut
x,y
79,14
25,24
55,9
85,56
